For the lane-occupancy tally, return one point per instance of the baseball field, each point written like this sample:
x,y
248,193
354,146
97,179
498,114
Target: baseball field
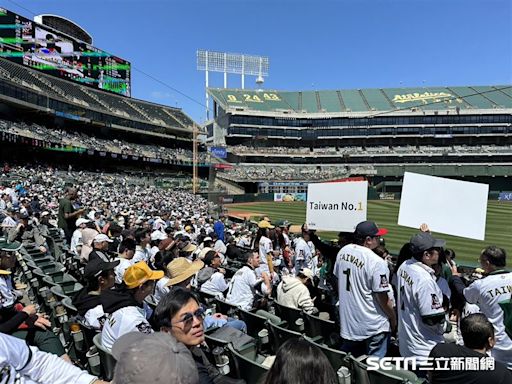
x,y
385,214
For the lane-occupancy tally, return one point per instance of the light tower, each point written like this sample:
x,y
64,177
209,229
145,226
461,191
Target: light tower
x,y
235,63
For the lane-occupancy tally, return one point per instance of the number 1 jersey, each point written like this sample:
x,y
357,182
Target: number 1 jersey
x,y
361,273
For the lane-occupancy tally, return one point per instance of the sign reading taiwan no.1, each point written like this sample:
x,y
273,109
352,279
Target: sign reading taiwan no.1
x,y
448,206
336,206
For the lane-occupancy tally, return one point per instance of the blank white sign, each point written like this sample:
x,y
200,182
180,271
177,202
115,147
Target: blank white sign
x,y
454,207
338,206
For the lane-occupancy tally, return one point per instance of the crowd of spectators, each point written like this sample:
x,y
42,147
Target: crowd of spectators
x,y
152,260
374,150
88,142
288,172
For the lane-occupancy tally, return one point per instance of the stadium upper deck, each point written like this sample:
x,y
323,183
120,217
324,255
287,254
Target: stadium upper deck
x,y
28,88
365,101
453,131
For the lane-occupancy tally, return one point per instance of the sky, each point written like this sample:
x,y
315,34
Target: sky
x,y
311,44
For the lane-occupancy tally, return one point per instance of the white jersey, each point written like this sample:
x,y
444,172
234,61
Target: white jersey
x,y
419,297
7,296
303,254
119,270
35,366
122,321
487,293
215,285
242,288
93,315
9,222
161,289
140,255
265,247
361,273
468,309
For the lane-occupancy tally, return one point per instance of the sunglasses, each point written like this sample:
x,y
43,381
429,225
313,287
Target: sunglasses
x,y
188,318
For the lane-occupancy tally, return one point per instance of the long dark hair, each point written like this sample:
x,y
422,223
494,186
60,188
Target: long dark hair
x,y
300,362
170,305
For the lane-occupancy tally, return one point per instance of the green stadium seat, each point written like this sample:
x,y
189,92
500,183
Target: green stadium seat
x,y
336,358
249,370
292,316
278,335
108,363
254,322
315,327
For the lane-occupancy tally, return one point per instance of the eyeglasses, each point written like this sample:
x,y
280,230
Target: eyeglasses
x,y
188,318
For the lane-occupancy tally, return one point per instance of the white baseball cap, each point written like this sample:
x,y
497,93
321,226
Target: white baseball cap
x,y
81,221
158,235
101,237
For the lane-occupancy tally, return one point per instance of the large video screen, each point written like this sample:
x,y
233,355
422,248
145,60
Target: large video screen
x,y
41,47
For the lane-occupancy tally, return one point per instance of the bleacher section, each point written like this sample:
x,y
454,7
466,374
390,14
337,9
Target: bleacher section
x,y
127,108
456,150
365,100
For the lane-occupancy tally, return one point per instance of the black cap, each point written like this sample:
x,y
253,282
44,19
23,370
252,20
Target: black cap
x,y
96,266
424,241
369,228
24,216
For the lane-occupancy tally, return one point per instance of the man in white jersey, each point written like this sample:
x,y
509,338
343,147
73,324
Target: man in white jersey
x,y
303,254
20,363
420,300
487,293
245,283
366,314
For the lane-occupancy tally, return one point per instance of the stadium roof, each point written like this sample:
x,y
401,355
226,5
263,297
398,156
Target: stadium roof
x,y
366,100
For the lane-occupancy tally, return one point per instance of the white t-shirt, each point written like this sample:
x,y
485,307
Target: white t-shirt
x,y
122,321
121,268
487,293
76,240
361,273
215,285
418,296
140,255
161,289
41,368
242,288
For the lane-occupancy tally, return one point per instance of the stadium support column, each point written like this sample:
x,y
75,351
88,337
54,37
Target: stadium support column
x,y
194,158
207,96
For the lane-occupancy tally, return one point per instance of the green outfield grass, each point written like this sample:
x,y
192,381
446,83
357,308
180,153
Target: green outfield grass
x,y
385,213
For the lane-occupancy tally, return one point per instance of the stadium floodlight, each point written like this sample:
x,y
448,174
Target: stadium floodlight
x,y
235,63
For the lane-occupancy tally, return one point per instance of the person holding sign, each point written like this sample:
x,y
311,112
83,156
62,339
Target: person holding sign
x,y
366,313
420,300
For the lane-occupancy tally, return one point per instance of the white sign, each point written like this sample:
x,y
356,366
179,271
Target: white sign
x,y
448,206
336,206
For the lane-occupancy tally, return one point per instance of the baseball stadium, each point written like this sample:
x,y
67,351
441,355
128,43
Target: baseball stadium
x,y
278,142
138,245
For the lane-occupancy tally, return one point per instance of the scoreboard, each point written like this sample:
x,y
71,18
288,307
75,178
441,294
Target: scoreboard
x,y
46,49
